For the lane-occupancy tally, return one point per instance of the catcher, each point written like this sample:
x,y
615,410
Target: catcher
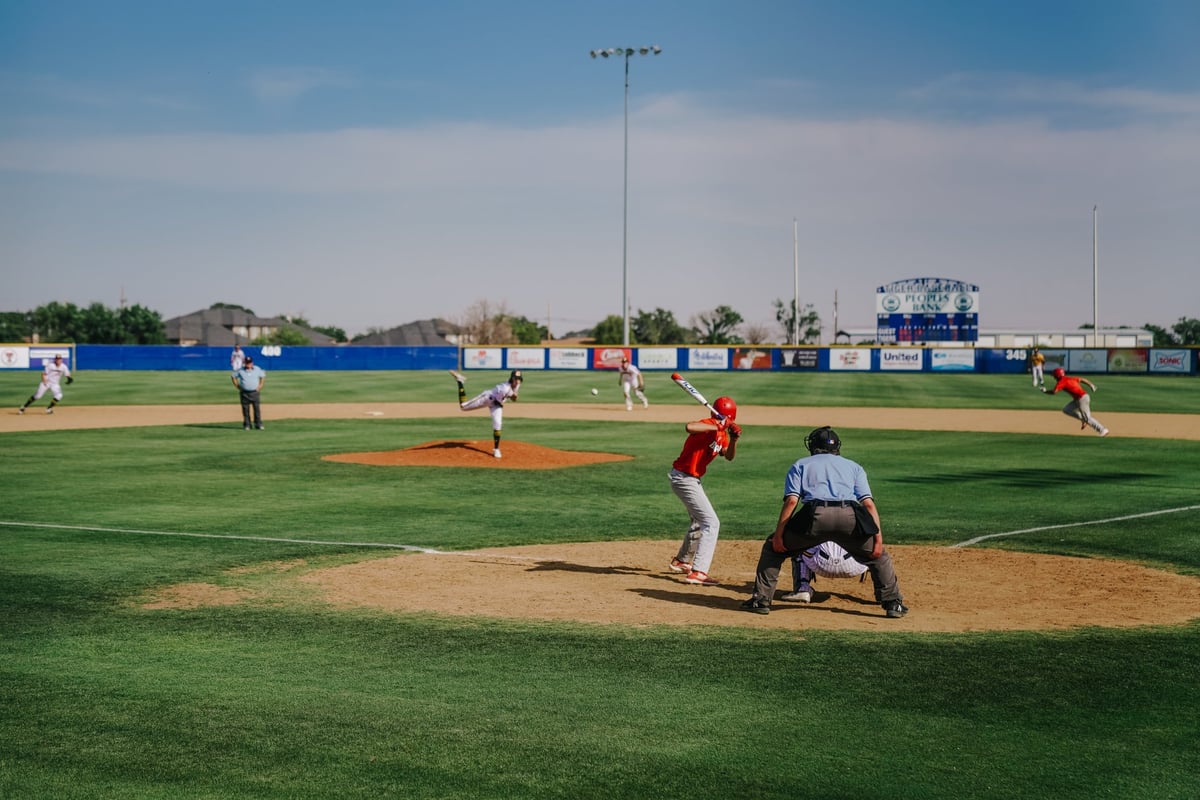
x,y
631,380
828,560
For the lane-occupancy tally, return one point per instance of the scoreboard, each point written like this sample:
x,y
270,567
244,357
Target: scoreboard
x,y
927,310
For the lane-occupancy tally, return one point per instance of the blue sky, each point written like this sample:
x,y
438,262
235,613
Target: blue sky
x,y
365,164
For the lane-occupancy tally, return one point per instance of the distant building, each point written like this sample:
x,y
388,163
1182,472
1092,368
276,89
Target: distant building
x,y
422,333
225,327
1079,338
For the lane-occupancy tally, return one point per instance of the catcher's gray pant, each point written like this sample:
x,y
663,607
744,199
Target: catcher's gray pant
x,y
700,542
829,524
1081,409
828,561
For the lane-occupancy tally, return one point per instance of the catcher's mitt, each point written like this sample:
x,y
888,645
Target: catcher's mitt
x,y
70,380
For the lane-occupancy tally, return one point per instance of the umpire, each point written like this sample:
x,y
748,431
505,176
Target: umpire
x,y
835,505
249,380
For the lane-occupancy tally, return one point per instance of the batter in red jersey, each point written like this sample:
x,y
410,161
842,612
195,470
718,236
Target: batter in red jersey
x,y
1080,406
707,439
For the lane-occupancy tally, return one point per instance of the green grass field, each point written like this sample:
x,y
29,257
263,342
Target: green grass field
x,y
288,698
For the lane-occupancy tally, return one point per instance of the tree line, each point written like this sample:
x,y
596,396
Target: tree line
x,y
482,323
94,324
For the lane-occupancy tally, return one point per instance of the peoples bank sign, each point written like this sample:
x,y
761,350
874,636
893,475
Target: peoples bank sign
x,y
927,296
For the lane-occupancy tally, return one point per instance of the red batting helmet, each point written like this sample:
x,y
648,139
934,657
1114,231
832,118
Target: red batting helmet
x,y
726,407
1059,372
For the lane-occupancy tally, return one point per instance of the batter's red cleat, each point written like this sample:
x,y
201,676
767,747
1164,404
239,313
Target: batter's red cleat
x,y
679,566
700,579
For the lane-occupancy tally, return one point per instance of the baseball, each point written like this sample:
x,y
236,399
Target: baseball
x,y
595,391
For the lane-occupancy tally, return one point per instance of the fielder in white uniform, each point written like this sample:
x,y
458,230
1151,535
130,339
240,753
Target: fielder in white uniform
x,y
53,374
828,560
632,381
494,399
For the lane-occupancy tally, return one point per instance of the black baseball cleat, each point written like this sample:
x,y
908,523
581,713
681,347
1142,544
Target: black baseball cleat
x,y
755,606
895,609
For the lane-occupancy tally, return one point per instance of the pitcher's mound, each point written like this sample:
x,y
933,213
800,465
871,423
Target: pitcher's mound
x,y
515,455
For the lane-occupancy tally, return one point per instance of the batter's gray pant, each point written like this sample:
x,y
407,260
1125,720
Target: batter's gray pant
x,y
700,542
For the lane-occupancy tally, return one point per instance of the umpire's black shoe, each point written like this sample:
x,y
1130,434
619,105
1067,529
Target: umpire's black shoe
x,y
895,609
756,606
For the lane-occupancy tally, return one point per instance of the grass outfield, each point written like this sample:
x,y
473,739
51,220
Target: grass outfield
x,y
287,698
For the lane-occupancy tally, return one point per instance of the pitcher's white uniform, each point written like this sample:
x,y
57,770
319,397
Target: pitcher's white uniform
x,y
632,381
493,399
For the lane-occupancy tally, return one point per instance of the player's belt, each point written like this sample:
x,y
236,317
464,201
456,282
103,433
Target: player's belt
x,y
826,503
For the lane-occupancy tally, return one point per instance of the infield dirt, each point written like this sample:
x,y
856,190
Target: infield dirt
x,y
626,583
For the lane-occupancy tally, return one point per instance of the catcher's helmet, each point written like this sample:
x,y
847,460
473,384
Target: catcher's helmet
x,y
726,407
823,440
515,375
1059,372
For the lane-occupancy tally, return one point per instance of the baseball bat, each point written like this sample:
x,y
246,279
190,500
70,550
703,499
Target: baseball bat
x,y
695,393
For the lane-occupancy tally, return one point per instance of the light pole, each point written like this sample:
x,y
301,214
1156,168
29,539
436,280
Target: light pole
x,y
796,284
627,53
1095,284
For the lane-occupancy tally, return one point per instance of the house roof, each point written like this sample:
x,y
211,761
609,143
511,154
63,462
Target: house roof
x,y
214,327
421,333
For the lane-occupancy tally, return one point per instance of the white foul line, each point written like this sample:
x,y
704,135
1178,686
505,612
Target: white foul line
x,y
978,539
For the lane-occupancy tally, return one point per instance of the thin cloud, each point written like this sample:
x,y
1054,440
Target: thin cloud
x,y
1028,91
82,94
286,84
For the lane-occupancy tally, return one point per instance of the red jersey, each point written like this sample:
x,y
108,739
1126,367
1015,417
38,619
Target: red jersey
x,y
699,449
1070,385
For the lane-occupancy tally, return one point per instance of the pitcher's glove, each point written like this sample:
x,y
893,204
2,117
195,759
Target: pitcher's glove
x,y
70,380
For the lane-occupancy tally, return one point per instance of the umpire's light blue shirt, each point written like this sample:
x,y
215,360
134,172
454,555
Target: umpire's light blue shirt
x,y
249,378
825,476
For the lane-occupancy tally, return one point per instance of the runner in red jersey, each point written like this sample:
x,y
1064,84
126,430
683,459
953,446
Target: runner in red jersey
x,y
1080,406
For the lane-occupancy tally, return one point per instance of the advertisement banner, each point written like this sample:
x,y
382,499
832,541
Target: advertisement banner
x,y
799,359
568,358
610,357
708,358
526,358
850,358
14,357
41,356
751,358
1127,360
956,360
658,358
1083,361
483,358
1176,361
906,359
